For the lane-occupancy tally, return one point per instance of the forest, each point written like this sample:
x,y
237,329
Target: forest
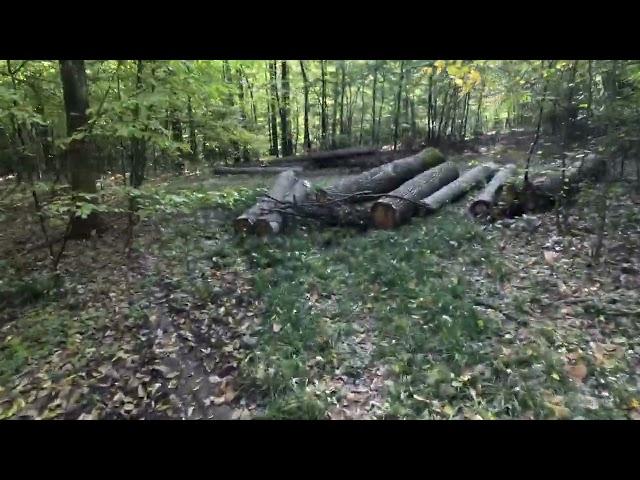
x,y
319,239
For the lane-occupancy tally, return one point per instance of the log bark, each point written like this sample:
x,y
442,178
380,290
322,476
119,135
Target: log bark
x,y
459,187
253,170
326,158
272,222
386,177
389,212
542,192
283,183
483,203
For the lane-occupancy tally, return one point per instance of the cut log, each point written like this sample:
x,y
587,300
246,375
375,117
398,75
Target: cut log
x,y
253,170
541,193
470,179
282,185
325,159
386,177
271,223
389,212
483,203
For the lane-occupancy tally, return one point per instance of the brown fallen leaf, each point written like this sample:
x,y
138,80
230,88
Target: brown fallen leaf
x,y
577,372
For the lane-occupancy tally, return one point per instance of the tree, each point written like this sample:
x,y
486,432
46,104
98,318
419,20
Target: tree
x,y
78,153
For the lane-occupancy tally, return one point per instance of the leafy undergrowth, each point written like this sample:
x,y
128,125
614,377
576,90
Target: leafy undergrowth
x,y
442,318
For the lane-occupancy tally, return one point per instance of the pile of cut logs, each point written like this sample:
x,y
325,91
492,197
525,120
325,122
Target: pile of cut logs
x,y
389,195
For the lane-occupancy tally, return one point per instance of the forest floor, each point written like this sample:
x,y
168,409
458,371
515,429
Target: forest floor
x,y
442,318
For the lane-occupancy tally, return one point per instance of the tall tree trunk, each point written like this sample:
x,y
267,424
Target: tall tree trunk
x,y
138,145
466,115
323,104
361,112
193,142
79,158
442,112
334,112
342,86
590,90
295,141
429,107
382,85
287,143
397,115
305,86
478,125
454,107
273,102
373,104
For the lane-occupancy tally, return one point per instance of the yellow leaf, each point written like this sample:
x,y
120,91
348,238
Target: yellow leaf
x,y
555,375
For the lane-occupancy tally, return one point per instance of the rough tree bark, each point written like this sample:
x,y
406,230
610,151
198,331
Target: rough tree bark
x,y
287,143
323,104
253,170
272,222
454,190
273,106
283,183
542,193
373,103
326,158
389,212
396,120
387,177
382,86
343,74
483,203
305,86
138,145
83,174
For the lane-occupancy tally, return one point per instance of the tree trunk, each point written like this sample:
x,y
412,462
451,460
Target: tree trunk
x,y
254,170
282,185
466,116
373,106
478,126
590,90
429,107
138,145
470,179
397,115
542,193
334,112
385,178
326,158
273,97
412,120
389,212
272,222
323,105
442,112
384,74
484,202
305,86
361,113
342,87
83,174
287,142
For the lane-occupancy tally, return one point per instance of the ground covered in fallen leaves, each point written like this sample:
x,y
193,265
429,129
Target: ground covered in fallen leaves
x,y
442,318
